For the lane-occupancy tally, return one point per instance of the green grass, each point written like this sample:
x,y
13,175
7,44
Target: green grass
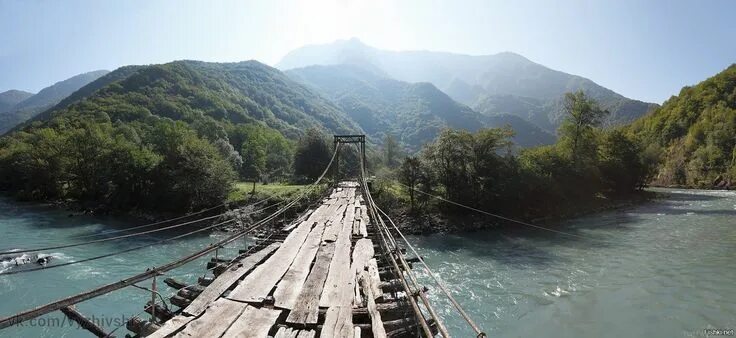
x,y
243,191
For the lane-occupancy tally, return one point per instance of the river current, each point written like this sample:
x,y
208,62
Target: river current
x,y
665,268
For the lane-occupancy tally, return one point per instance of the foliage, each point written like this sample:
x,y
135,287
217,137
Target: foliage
x,y
121,165
479,169
695,133
312,155
176,132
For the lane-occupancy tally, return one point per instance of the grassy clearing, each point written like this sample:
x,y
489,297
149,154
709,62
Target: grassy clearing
x,y
243,191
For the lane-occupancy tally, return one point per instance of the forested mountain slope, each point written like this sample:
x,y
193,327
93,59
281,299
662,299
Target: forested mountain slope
x,y
165,137
243,92
696,133
473,79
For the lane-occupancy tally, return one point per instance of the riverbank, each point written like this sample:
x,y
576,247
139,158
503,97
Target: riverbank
x,y
427,222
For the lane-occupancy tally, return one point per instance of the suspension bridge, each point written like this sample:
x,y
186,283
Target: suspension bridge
x,y
339,268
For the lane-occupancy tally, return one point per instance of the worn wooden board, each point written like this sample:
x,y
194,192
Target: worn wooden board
x,y
259,283
286,332
338,322
306,308
254,322
376,323
362,253
227,279
171,326
334,224
307,334
375,278
215,320
291,284
339,278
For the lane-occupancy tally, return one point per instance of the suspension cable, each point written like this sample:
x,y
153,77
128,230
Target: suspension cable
x,y
383,230
116,253
149,224
93,293
167,220
129,235
501,217
444,289
455,303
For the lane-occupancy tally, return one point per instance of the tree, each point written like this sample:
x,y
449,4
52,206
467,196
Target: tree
x,y
254,158
582,115
409,175
312,155
620,162
390,149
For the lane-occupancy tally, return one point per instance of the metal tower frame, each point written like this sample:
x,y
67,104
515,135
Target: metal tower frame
x,y
338,139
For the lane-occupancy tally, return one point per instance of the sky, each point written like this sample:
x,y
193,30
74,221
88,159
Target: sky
x,y
645,50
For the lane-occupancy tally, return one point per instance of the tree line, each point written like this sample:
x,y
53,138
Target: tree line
x,y
483,170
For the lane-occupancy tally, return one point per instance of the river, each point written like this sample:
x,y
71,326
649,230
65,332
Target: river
x,y
665,268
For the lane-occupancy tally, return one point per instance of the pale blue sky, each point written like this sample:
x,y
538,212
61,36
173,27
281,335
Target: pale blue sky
x,y
642,49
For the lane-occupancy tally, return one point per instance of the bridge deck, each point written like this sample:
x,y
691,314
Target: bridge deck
x,y
322,280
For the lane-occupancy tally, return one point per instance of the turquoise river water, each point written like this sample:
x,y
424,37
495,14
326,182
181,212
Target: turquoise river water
x,y
665,268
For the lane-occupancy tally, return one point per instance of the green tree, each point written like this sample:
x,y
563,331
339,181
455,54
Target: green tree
x,y
254,158
582,116
312,155
390,150
410,174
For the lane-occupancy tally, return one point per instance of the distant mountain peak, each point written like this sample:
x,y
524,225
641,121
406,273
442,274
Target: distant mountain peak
x,y
470,79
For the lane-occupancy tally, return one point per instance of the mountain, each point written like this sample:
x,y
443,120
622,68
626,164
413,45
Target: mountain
x,y
46,98
10,98
170,137
474,79
414,113
695,133
243,92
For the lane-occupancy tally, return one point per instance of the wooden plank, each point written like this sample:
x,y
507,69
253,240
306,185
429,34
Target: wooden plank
x,y
301,218
362,253
253,323
171,326
376,323
334,224
286,332
307,334
306,309
258,284
291,284
338,322
364,220
227,279
375,278
339,278
215,320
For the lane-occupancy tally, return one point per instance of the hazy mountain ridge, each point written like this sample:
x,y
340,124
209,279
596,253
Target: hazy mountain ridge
x,y
472,79
45,99
415,113
10,98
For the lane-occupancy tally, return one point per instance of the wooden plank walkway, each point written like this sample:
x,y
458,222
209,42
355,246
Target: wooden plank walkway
x,y
321,280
